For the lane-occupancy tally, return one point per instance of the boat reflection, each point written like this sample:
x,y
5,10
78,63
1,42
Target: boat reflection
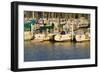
x,y
46,50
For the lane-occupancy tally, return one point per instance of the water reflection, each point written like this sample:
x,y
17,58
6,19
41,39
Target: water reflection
x,y
47,50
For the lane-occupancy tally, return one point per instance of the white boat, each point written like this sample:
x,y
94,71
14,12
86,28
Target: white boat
x,y
43,37
83,37
66,37
28,35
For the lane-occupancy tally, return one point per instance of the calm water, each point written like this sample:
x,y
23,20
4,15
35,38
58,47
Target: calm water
x,y
42,51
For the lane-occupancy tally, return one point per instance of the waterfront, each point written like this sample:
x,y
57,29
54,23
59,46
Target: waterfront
x,y
46,50
56,36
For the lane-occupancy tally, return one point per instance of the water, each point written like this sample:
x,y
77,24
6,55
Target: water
x,y
44,51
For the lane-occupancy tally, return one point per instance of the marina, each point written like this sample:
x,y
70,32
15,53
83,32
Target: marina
x,y
60,26
56,36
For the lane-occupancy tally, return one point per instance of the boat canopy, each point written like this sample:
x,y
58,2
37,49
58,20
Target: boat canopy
x,y
27,24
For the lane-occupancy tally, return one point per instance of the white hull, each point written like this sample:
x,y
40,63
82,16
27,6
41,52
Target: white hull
x,y
65,37
43,37
80,38
28,35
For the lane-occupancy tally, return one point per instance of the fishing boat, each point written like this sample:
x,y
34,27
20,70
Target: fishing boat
x,y
61,38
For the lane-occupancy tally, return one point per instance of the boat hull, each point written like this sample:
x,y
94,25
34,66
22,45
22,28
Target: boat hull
x,y
81,38
43,37
28,35
62,38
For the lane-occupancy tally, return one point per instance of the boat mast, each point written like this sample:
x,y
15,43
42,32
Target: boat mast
x,y
52,20
72,24
31,23
72,32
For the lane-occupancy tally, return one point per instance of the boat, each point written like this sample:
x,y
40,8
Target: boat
x,y
83,37
61,38
47,38
39,36
43,37
83,22
28,35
